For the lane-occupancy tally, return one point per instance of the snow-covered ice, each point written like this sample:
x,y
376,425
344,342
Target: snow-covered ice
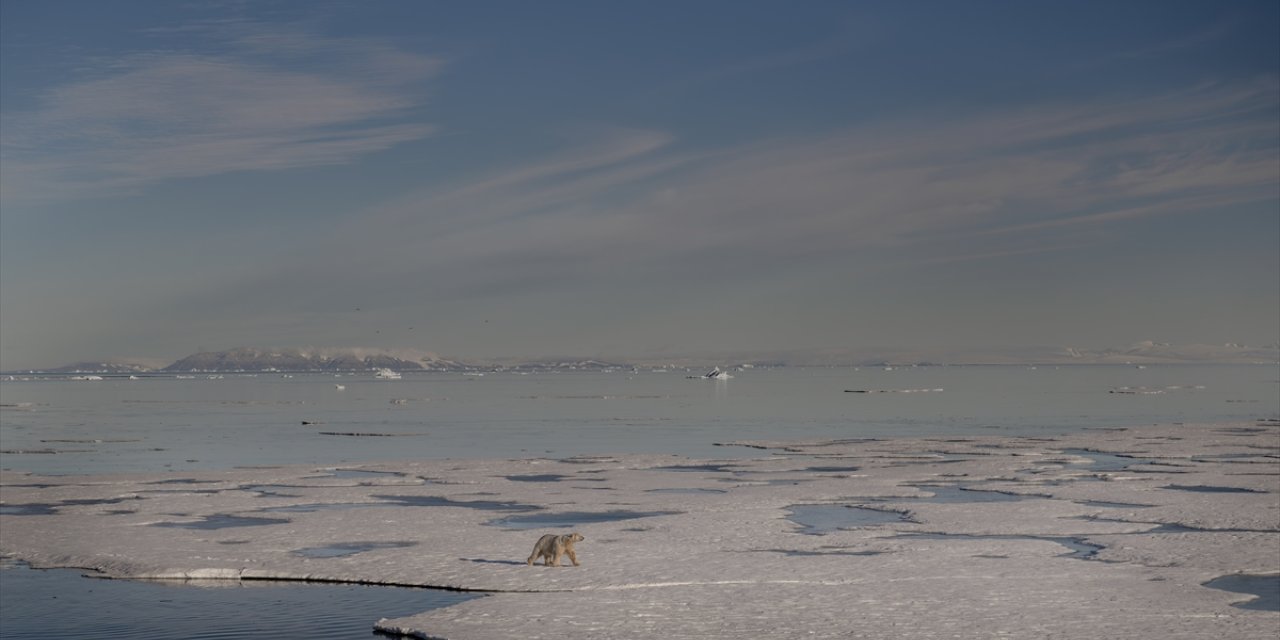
x,y
684,548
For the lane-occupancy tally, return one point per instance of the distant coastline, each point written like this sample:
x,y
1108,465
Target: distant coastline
x,y
335,359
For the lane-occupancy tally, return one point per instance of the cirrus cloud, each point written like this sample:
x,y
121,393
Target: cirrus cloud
x,y
259,100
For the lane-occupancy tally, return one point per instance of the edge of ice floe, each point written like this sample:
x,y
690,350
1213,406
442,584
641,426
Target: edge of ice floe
x,y
248,575
257,575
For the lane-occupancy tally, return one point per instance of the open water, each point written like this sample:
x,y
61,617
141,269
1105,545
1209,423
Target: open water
x,y
54,425
169,424
61,604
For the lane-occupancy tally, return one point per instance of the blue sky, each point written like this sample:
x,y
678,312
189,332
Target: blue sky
x,y
598,178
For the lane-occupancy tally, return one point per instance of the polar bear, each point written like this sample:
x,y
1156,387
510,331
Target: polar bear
x,y
551,546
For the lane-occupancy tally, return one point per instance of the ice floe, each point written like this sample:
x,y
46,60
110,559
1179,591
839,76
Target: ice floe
x,y
1055,540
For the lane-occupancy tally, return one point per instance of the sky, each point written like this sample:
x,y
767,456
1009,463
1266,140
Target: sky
x,y
524,179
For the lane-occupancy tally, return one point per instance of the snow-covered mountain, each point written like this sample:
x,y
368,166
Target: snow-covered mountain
x,y
326,359
1145,352
102,367
364,359
1149,352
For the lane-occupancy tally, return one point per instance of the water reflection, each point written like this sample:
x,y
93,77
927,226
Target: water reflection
x,y
62,604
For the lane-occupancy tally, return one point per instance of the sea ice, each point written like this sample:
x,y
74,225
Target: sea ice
x,y
710,551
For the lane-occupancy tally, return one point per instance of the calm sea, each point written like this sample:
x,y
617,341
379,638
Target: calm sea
x,y
170,424
59,426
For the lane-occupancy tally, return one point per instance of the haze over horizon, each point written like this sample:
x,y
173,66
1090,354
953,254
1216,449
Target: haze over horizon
x,y
512,179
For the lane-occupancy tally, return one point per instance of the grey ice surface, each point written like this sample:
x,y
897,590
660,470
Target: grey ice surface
x,y
692,548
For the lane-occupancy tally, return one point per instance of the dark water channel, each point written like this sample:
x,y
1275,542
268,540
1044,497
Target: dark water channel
x,y
1076,547
955,494
1265,588
63,604
819,519
570,519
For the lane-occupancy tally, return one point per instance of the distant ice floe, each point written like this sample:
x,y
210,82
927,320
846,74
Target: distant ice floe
x,y
1148,391
893,390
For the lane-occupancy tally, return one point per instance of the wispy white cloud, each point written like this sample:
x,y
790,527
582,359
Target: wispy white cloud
x,y
264,100
1202,36
606,159
640,200
604,223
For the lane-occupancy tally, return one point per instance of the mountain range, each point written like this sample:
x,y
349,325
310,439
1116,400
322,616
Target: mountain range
x,y
253,359
257,359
